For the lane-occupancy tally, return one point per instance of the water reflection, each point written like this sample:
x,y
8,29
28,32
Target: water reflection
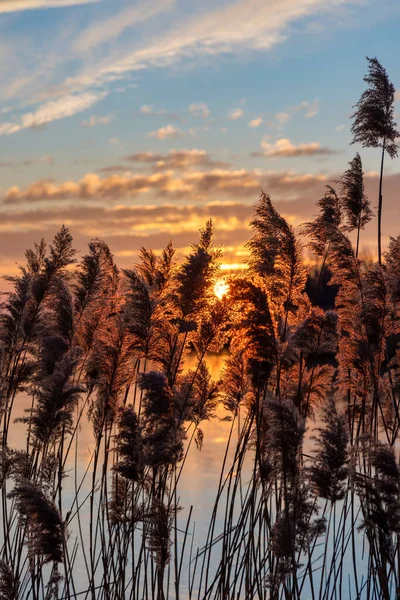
x,y
197,486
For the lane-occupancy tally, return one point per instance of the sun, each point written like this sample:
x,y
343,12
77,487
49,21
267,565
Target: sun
x,y
221,288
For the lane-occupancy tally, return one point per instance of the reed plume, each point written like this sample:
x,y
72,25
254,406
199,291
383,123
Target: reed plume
x,y
45,526
329,471
9,586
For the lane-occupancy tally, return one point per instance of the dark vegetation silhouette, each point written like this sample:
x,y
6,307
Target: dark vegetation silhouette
x,y
294,516
374,125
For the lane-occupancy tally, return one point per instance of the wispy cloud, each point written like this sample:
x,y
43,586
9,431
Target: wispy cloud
x,y
53,110
256,122
236,27
242,25
45,159
169,131
199,109
286,149
94,121
9,6
309,109
113,27
235,113
177,159
148,110
279,120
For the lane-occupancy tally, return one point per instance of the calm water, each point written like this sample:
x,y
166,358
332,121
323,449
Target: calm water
x,y
197,486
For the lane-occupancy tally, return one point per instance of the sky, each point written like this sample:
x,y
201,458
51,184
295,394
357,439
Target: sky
x,y
136,121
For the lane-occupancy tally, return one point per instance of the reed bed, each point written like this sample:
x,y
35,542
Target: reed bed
x,y
307,504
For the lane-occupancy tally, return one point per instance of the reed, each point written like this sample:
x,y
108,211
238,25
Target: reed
x,y
298,510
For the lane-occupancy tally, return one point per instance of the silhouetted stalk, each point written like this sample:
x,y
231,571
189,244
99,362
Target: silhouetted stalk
x,y
380,204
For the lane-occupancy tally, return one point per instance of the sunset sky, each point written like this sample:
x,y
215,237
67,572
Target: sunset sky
x,y
137,121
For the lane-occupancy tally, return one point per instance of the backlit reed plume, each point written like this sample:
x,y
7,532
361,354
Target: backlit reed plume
x,y
330,468
9,586
46,529
374,125
354,200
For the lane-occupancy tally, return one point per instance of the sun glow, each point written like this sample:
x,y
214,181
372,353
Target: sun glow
x,y
221,288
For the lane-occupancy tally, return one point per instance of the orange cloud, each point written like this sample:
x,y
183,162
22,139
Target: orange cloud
x,y
127,227
192,185
285,148
255,122
166,132
177,159
236,113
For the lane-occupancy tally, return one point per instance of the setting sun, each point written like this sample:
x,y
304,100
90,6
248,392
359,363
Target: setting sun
x,y
221,288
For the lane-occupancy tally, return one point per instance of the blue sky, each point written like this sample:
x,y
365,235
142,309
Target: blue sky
x,y
136,121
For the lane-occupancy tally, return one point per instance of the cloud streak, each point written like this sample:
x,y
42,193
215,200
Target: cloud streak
x,y
284,148
199,109
309,109
45,159
10,6
235,113
243,25
177,159
239,26
169,131
255,122
94,121
67,106
191,186
111,28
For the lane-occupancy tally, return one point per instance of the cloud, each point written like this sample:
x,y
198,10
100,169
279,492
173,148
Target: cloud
x,y
53,110
111,28
91,186
256,122
140,218
310,109
235,27
114,169
279,120
149,111
339,127
177,159
94,121
285,148
235,113
238,26
9,6
191,185
46,159
166,132
127,227
199,110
